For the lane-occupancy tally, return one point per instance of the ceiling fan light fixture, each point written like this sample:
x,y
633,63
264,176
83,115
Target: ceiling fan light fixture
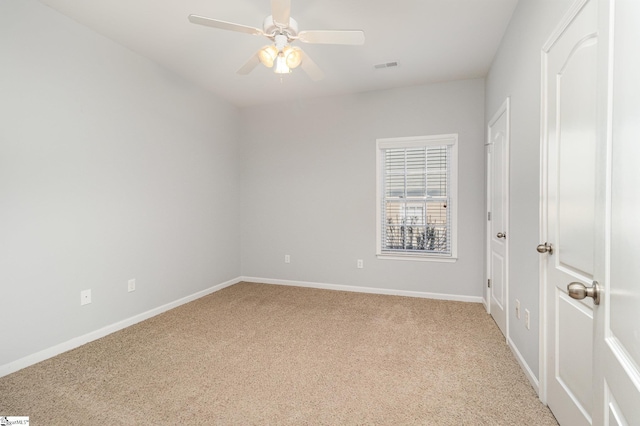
x,y
281,29
268,55
293,56
281,65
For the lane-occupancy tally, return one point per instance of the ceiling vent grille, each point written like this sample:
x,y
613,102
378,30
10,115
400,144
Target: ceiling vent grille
x,y
386,65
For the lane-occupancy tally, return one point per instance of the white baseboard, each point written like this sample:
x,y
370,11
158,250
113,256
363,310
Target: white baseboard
x,y
104,331
358,289
486,305
525,367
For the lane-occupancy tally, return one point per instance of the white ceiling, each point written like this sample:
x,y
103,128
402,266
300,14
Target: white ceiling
x,y
432,40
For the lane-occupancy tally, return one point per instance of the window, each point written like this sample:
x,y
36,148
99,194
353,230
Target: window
x,y
416,197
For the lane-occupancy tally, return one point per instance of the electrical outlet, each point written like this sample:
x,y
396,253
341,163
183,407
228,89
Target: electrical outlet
x,y
287,258
131,285
517,309
360,264
527,318
85,297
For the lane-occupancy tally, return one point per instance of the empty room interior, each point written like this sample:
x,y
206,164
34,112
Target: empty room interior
x,y
319,212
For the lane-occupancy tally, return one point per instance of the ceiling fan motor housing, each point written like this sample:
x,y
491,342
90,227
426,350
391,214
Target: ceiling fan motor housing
x,y
271,28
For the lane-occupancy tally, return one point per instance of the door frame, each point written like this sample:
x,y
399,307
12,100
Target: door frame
x,y
566,20
504,109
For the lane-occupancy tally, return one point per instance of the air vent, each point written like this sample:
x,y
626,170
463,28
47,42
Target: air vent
x,y
386,65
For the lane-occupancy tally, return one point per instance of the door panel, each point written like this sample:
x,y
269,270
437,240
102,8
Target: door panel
x,y
498,190
574,351
576,138
497,281
621,394
571,135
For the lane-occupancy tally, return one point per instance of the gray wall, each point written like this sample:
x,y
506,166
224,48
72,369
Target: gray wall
x,y
516,73
111,168
309,178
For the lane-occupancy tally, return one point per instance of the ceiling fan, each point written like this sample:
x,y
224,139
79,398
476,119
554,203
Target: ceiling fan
x,y
282,30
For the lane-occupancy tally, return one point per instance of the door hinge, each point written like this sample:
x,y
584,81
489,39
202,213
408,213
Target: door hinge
x,y
489,283
488,215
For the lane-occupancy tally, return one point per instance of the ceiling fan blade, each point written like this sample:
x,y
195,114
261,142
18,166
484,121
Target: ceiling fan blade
x,y
310,67
332,36
223,25
249,65
281,12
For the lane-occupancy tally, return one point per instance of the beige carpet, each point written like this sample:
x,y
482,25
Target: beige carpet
x,y
265,354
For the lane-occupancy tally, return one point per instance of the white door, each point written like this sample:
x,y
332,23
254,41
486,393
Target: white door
x,y
591,67
617,337
570,71
497,214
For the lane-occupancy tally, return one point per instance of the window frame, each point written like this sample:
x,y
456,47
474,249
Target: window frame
x,y
450,140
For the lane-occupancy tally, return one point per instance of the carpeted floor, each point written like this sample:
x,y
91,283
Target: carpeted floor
x,y
274,355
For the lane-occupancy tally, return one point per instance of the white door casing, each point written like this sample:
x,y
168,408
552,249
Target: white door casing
x,y
570,60
498,216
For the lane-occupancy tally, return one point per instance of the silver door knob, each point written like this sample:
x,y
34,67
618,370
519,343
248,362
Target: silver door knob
x,y
545,248
580,291
501,235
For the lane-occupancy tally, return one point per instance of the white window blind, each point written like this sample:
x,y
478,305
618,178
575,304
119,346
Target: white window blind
x,y
415,196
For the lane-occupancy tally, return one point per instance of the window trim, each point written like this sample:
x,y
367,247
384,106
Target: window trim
x,y
413,142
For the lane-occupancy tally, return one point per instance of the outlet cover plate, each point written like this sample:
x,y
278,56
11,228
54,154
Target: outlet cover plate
x,y
131,285
85,297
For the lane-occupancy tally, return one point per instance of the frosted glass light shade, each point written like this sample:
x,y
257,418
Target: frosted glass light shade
x,y
293,56
268,55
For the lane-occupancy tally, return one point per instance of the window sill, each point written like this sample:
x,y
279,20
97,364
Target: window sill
x,y
414,258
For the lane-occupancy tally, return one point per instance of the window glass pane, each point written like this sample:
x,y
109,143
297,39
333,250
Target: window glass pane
x,y
436,237
414,226
437,184
437,214
394,212
416,159
415,213
395,186
394,161
394,226
416,185
437,158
